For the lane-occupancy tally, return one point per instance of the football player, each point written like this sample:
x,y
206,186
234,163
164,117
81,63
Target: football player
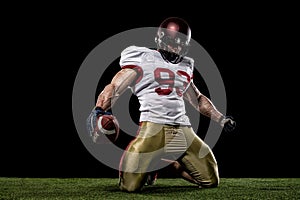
x,y
161,79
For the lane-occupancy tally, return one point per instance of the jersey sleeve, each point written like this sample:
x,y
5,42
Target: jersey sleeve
x,y
190,64
130,57
192,68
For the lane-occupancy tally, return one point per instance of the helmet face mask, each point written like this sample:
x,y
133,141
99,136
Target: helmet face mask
x,y
173,39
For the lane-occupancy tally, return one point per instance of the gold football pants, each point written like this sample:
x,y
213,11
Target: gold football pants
x,y
157,141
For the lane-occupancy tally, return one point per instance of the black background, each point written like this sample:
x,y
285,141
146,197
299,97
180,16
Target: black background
x,y
44,48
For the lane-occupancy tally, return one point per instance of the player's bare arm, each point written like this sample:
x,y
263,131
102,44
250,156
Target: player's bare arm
x,y
202,103
118,85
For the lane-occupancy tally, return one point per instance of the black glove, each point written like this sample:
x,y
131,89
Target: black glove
x,y
228,123
91,121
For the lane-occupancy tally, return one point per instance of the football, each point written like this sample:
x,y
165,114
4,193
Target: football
x,y
108,125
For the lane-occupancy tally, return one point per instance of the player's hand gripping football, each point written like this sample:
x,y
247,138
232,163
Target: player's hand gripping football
x,y
228,124
92,119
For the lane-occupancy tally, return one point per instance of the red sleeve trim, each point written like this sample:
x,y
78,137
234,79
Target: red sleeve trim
x,y
138,69
129,66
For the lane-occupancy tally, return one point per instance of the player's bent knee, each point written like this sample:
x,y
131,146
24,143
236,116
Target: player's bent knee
x,y
132,187
212,183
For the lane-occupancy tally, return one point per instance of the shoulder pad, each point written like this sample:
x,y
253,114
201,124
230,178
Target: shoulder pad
x,y
132,49
188,61
132,55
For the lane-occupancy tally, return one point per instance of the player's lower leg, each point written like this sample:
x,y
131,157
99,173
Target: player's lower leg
x,y
180,170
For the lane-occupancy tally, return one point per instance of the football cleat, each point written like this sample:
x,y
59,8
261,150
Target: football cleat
x,y
151,178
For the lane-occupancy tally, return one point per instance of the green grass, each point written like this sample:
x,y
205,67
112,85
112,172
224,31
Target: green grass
x,y
107,188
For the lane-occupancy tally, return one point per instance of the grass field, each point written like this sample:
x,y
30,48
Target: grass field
x,y
107,188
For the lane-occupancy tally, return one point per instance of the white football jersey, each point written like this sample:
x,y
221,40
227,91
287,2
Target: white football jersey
x,y
160,85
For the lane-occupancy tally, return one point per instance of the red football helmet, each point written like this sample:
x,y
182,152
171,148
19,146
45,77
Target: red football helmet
x,y
173,39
